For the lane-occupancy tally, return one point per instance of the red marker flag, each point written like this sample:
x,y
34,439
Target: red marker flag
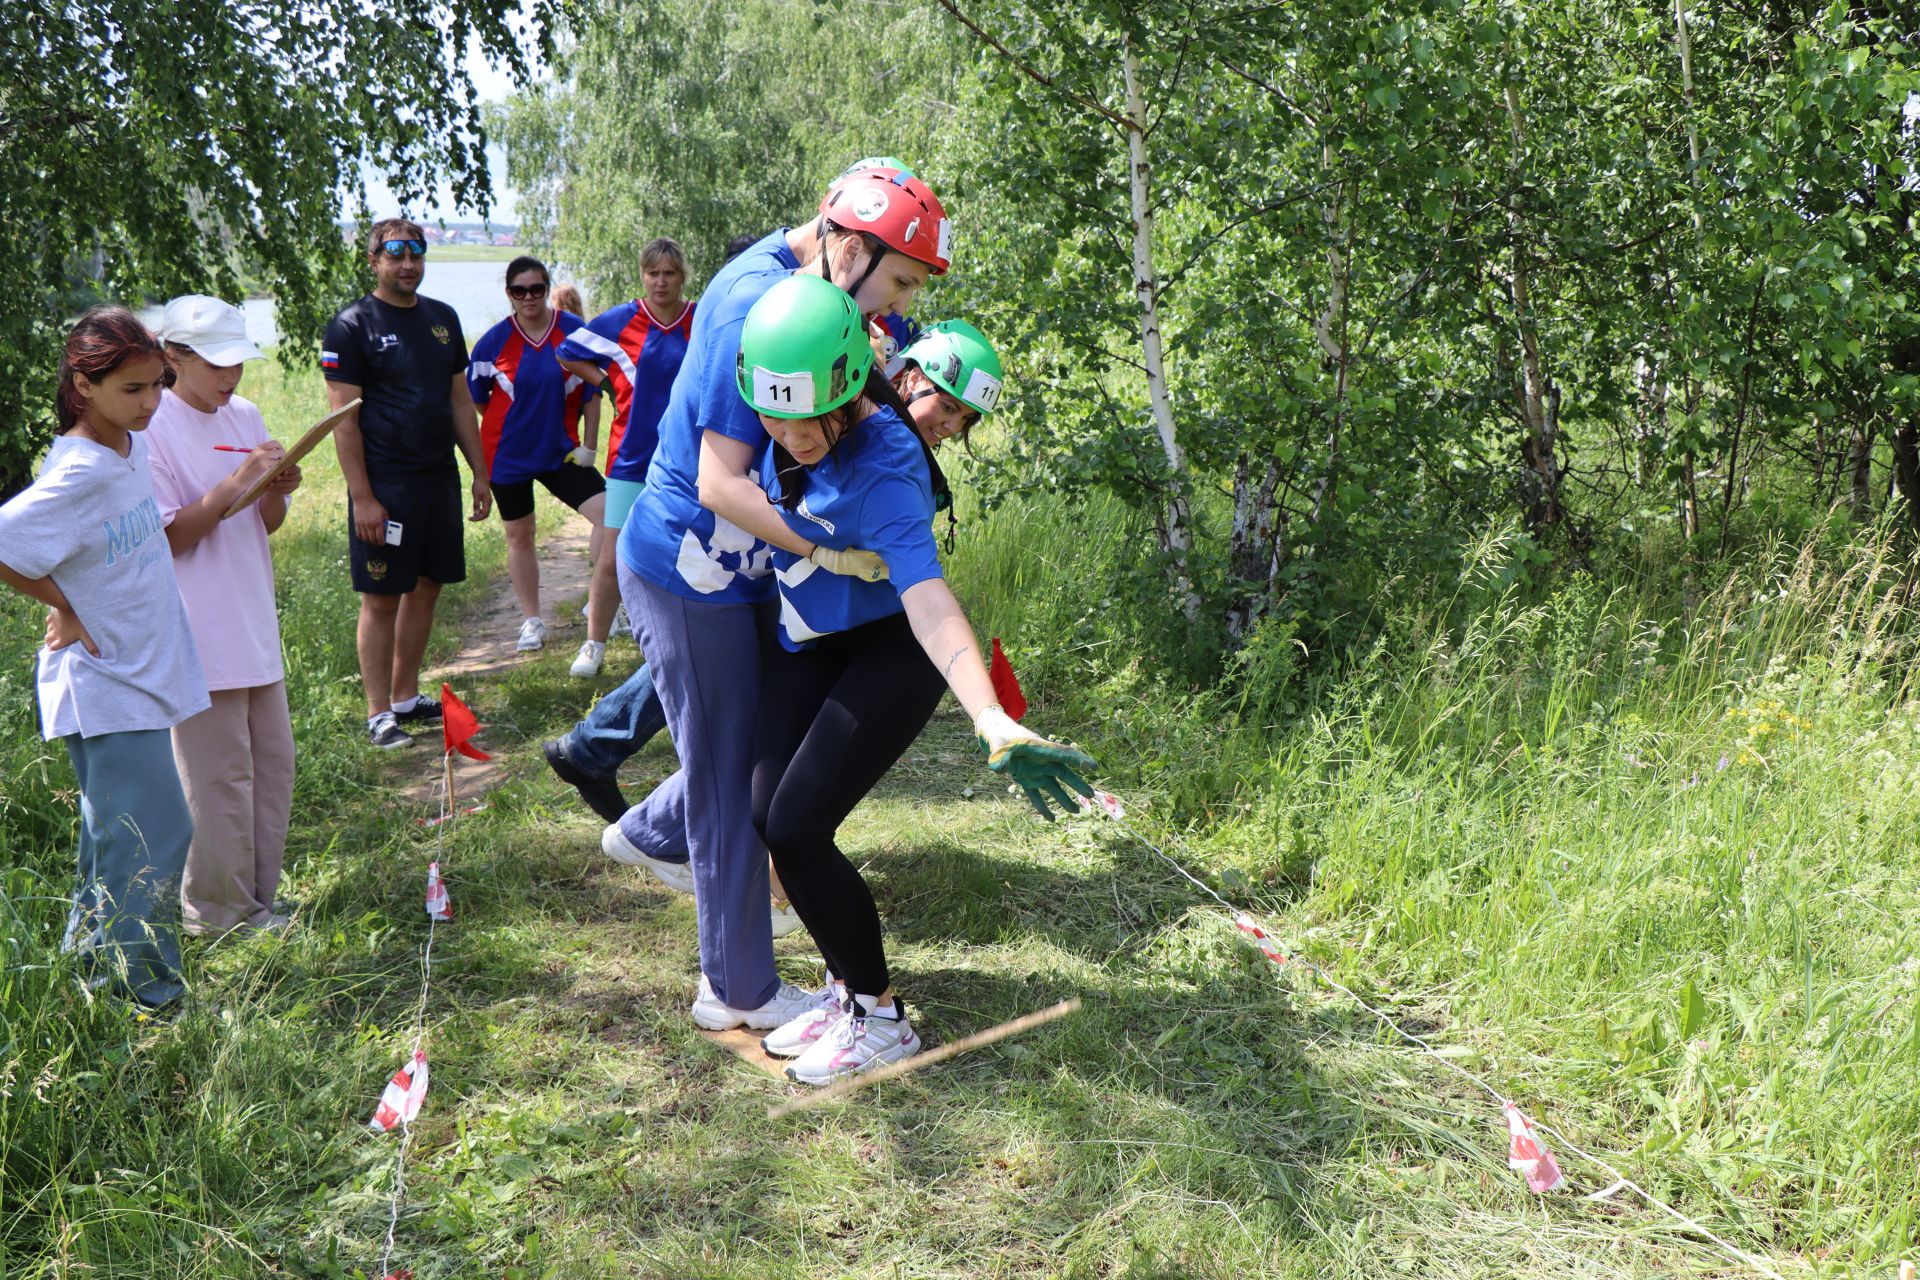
x,y
400,1100
1006,686
1529,1155
459,724
439,906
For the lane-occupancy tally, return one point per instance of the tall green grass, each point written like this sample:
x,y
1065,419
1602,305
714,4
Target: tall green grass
x,y
129,1153
1650,874
1655,876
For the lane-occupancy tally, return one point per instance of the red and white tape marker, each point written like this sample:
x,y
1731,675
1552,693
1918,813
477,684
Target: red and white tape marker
x,y
404,1095
1245,923
439,906
400,1100
1529,1156
1526,1153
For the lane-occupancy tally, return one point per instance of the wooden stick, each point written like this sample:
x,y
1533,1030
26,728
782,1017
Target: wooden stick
x,y
301,448
842,1088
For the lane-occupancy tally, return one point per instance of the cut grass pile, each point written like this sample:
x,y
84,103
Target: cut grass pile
x,y
1511,824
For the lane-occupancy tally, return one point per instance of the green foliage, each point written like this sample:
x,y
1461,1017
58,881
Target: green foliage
x,y
708,121
161,149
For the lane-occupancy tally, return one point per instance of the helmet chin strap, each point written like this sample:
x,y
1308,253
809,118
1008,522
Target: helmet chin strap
x,y
877,250
922,394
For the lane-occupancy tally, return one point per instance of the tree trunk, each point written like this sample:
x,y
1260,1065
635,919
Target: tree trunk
x,y
1650,419
1906,468
1860,471
1539,398
1253,552
1906,437
1177,537
1330,330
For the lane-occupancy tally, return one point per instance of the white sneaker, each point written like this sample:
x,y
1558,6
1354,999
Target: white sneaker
x,y
674,875
791,1039
622,624
854,1044
533,635
785,919
788,1003
587,663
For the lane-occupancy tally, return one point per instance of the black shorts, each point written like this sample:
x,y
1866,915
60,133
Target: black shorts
x,y
432,542
573,485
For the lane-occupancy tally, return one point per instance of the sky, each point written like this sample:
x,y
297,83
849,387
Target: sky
x,y
494,86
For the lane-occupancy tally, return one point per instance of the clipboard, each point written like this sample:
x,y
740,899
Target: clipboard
x,y
301,448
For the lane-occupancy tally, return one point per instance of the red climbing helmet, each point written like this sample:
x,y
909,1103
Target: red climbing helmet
x,y
897,208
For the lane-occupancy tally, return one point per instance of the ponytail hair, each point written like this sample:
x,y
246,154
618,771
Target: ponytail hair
x,y
100,341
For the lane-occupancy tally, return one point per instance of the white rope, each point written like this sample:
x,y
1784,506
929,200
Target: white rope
x,y
419,1018
1621,1181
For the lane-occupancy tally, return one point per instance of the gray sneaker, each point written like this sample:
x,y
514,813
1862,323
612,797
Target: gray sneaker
x,y
384,731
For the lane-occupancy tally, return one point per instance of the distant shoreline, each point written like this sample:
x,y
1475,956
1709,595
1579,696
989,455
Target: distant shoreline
x,y
473,252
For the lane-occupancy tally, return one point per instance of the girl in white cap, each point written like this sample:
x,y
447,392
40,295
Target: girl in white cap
x,y
235,758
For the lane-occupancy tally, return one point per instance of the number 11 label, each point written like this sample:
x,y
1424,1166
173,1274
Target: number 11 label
x,y
782,392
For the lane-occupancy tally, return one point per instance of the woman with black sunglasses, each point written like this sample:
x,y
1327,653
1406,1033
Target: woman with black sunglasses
x,y
530,408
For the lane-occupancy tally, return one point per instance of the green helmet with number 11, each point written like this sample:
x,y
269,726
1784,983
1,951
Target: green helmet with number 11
x,y
803,350
958,359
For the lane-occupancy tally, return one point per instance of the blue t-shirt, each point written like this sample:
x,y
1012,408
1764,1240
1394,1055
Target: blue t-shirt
x,y
873,491
669,538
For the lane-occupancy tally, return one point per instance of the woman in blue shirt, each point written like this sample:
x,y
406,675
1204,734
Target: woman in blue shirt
x,y
695,564
860,664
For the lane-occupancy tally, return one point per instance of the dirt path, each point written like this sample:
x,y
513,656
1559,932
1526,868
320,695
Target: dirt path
x,y
488,635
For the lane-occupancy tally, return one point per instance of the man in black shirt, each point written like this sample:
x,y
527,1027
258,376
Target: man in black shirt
x,y
404,356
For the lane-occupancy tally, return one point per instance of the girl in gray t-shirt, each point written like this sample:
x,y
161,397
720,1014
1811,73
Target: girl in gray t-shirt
x,y
119,668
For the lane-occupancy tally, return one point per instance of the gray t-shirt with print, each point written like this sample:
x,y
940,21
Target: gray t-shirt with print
x,y
90,523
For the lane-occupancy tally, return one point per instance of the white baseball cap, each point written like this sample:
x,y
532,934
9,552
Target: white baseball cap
x,y
215,330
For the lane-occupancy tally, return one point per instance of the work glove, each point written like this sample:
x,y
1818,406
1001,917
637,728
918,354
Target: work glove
x,y
851,563
1039,766
580,456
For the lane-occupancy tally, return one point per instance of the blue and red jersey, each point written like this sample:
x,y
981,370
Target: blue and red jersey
x,y
529,405
641,356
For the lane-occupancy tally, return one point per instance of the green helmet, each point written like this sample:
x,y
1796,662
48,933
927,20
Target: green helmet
x,y
957,358
891,163
803,350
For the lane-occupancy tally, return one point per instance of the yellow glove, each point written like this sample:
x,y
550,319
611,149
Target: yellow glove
x,y
580,456
851,563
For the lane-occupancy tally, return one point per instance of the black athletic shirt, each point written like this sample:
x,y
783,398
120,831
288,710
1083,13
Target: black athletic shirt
x,y
404,360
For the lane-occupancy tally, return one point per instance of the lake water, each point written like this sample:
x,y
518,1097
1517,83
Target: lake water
x,y
475,290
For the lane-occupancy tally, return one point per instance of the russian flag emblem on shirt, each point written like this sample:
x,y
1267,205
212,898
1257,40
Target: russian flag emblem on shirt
x,y
329,359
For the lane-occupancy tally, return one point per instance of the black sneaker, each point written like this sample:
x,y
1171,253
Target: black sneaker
x,y
601,794
382,732
424,710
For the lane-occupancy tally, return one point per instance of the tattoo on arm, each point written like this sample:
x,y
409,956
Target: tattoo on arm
x,y
955,657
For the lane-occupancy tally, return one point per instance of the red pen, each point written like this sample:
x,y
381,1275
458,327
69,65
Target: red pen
x,y
231,448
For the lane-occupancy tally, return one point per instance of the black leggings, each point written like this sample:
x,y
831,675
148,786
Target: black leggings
x,y
833,720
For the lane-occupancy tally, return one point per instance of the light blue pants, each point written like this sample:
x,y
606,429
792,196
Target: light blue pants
x,y
134,832
706,664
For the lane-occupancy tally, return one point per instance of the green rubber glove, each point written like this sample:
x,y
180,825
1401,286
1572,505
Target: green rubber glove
x,y
1042,768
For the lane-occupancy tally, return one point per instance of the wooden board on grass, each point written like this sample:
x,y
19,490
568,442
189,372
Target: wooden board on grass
x,y
301,448
744,1044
